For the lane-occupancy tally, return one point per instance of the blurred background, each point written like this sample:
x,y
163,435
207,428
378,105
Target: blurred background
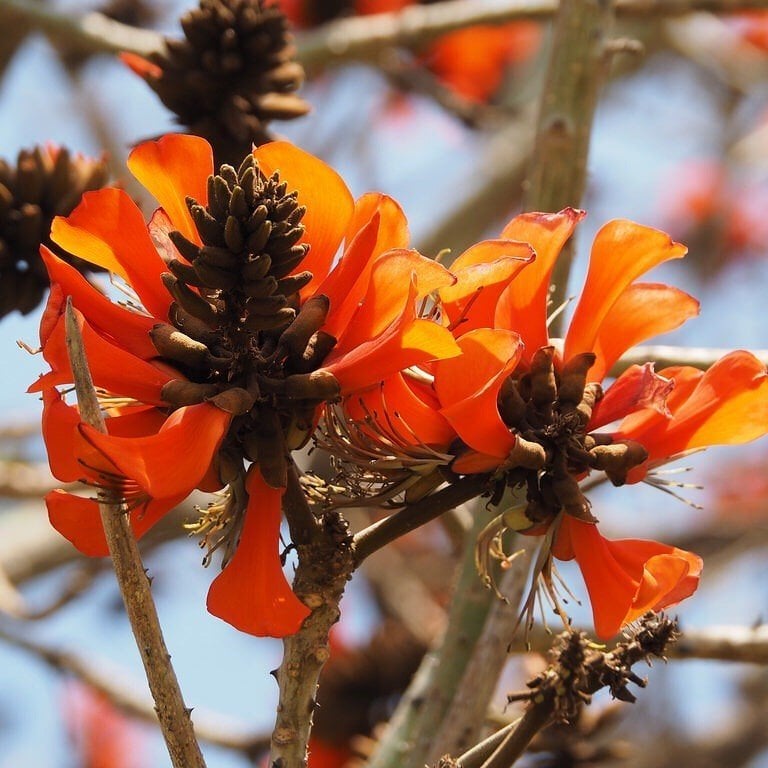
x,y
679,143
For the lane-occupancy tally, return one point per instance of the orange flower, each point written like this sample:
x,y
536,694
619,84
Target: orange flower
x,y
527,409
238,328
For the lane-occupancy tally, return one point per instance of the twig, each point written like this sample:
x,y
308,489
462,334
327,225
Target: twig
x,y
466,716
411,730
578,66
698,357
415,515
475,757
354,39
132,579
747,645
578,672
118,687
325,564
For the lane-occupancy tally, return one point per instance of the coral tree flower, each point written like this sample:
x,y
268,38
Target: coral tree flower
x,y
527,409
239,326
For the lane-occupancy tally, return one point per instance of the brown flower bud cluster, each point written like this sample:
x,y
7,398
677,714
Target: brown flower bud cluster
x,y
549,411
231,75
45,182
239,332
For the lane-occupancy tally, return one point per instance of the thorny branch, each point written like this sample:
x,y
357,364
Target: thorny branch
x,y
132,579
325,565
578,671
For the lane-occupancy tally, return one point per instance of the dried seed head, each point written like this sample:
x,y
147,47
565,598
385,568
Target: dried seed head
x,y
231,74
45,182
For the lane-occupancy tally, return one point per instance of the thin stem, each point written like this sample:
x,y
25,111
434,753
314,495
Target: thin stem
x,y
475,757
577,68
517,740
172,713
325,565
415,515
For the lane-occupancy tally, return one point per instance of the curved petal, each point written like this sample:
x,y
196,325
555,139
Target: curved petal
x,y
406,414
482,273
407,341
129,329
78,519
522,306
252,593
173,461
393,230
112,368
642,311
398,278
725,405
172,168
622,251
378,225
474,463
468,388
107,229
629,577
638,388
329,203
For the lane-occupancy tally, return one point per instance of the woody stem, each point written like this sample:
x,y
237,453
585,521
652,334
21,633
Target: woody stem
x,y
415,515
172,714
325,564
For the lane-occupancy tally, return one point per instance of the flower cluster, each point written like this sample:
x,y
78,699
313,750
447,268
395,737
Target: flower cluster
x,y
263,298
237,329
532,412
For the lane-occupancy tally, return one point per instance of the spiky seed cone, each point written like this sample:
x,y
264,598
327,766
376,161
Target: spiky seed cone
x,y
231,74
45,182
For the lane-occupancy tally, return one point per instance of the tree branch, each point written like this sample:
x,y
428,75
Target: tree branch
x,y
415,515
172,713
352,39
325,565
578,66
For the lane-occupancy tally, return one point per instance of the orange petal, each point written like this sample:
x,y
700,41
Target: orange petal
x,y
129,329
78,520
468,388
252,593
139,65
639,387
407,415
629,577
522,306
622,251
393,230
329,203
112,368
163,464
171,169
398,279
107,229
378,225
642,311
472,61
482,273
